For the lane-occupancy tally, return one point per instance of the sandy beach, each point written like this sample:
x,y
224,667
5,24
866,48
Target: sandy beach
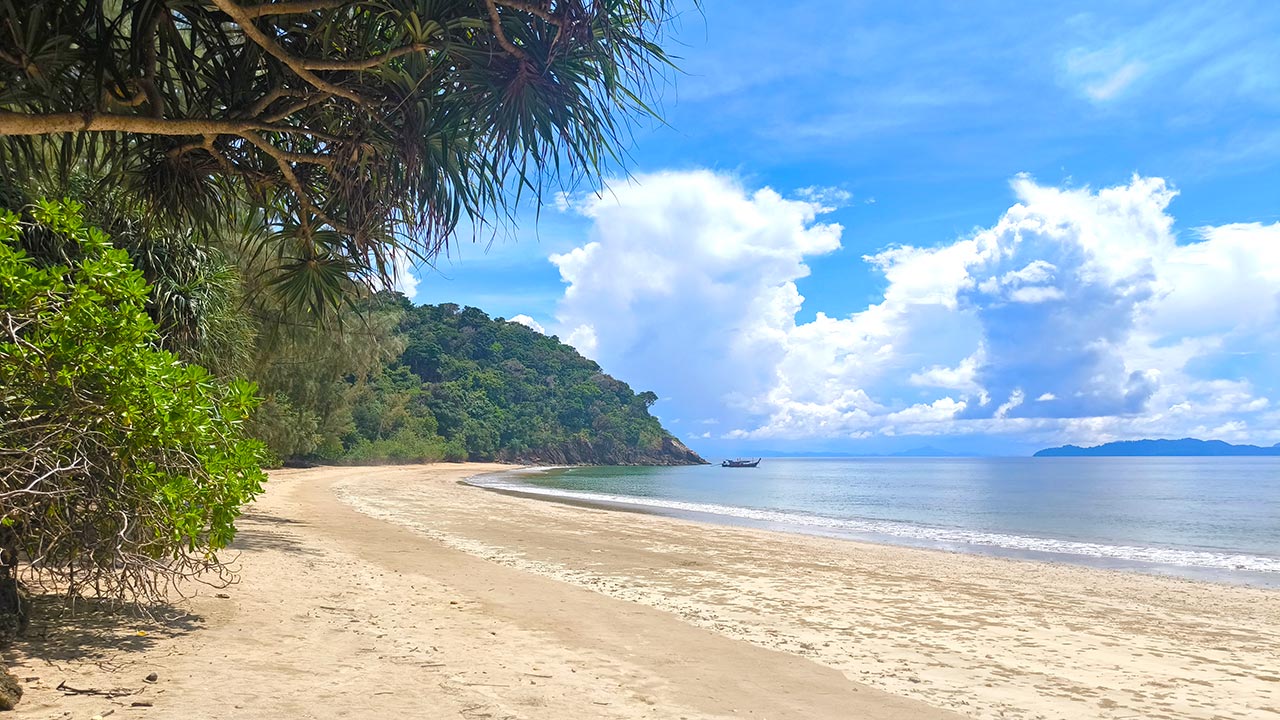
x,y
376,592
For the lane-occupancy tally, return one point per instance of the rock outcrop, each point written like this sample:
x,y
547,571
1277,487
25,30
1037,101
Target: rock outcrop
x,y
10,690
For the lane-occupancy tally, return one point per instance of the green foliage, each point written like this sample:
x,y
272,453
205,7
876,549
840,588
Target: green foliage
x,y
196,293
354,129
122,468
489,389
311,375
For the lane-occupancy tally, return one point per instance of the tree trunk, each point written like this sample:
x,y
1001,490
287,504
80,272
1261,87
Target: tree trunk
x,y
13,605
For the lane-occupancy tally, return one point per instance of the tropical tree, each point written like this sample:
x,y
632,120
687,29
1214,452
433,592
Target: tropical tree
x,y
122,468
357,128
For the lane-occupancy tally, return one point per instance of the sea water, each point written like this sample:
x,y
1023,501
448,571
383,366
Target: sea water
x,y
1206,518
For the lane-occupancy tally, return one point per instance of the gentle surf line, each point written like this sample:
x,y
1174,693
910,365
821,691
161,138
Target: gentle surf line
x,y
1202,559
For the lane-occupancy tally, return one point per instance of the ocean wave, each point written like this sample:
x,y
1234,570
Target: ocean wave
x,y
922,533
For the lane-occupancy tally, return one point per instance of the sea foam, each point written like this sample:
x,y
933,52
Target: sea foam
x,y
936,536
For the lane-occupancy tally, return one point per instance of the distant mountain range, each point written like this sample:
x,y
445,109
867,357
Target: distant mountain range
x,y
1186,447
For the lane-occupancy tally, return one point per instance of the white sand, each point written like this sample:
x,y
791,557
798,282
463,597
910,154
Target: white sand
x,y
458,602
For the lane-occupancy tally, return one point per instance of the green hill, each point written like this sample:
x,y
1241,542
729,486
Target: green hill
x,y
470,387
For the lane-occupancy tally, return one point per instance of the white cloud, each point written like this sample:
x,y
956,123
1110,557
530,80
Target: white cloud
x,y
1015,400
826,198
402,278
1083,300
1109,86
530,323
584,339
962,377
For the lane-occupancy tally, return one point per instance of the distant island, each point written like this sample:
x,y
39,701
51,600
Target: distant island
x,y
1186,447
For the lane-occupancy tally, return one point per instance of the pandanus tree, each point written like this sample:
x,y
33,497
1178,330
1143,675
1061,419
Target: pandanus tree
x,y
352,130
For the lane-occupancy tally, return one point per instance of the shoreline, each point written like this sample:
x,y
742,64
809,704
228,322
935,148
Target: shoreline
x,y
1231,577
397,590
983,636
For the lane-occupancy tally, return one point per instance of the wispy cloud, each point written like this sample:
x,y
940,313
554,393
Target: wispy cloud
x,y
1185,54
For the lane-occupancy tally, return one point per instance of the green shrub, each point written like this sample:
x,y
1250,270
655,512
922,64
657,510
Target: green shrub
x,y
122,469
403,447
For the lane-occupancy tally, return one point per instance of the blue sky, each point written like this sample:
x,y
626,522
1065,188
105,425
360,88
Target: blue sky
x,y
1011,225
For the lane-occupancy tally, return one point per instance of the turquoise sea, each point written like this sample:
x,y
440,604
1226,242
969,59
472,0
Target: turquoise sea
x,y
1206,518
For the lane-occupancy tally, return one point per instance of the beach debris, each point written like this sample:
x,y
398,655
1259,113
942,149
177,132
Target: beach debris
x,y
66,689
152,677
102,715
10,690
140,703
224,596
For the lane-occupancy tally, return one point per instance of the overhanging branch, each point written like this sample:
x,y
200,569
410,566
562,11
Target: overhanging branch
x,y
298,65
12,123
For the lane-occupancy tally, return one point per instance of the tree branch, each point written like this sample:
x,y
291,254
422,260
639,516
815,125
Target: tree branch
x,y
298,7
283,158
150,57
367,63
275,93
299,106
297,65
12,123
495,22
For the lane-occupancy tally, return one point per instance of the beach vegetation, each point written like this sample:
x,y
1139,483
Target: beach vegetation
x,y
122,467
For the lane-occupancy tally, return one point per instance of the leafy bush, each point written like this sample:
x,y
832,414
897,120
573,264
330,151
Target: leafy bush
x,y
403,447
122,469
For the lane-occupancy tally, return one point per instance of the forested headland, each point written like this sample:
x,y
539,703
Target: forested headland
x,y
441,382
469,387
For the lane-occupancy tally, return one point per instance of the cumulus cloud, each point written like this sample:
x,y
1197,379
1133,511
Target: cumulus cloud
x,y
691,277
1078,315
530,323
402,278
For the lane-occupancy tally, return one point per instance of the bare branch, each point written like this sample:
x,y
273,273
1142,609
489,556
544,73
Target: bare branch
x,y
276,92
150,58
283,160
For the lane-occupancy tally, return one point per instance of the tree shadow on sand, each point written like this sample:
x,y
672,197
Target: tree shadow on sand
x,y
97,631
103,633
260,531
